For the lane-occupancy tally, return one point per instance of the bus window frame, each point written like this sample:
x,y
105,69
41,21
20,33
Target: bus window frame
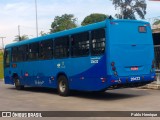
x,y
28,52
54,47
7,65
105,37
42,50
71,48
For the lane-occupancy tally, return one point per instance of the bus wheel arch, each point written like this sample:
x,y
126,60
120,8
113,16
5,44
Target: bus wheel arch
x,y
63,84
16,80
14,75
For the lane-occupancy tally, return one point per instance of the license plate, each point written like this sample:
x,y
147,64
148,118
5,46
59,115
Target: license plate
x,y
135,78
134,68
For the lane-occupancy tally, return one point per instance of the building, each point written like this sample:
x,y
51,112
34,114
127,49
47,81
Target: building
x,y
156,28
156,40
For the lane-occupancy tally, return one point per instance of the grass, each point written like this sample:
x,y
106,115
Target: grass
x,y
1,65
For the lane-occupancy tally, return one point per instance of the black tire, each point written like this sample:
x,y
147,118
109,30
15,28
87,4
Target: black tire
x,y
102,91
63,86
99,92
17,84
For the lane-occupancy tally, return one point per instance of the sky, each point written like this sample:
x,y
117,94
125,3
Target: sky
x,y
22,13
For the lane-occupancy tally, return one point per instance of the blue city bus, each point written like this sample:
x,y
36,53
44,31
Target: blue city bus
x,y
96,57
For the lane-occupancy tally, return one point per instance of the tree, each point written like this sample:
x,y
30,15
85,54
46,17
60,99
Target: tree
x,y
93,18
64,22
21,38
42,33
129,8
157,22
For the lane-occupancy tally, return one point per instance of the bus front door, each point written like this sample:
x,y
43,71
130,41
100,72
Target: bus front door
x,y
7,67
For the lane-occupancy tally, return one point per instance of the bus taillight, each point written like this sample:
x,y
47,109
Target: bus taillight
x,y
112,81
103,80
112,63
114,68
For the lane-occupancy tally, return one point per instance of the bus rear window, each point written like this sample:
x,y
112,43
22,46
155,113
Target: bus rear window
x,y
142,29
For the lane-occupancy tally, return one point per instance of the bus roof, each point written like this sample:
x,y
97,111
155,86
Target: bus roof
x,y
69,32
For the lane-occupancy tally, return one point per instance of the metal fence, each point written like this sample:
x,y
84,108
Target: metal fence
x,y
157,56
157,62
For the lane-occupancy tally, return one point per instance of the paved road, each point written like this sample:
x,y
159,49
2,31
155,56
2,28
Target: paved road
x,y
43,99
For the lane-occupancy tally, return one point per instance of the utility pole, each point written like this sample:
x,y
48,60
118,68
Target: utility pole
x,y
2,42
36,18
19,34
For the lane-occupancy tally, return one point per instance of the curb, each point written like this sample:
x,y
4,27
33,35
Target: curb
x,y
151,86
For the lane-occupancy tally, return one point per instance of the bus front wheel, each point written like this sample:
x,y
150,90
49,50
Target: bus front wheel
x,y
18,86
63,86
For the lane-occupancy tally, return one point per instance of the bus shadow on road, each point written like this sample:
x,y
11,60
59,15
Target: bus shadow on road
x,y
107,95
38,90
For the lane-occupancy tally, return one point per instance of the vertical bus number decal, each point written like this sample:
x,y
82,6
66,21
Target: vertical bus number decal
x,y
95,60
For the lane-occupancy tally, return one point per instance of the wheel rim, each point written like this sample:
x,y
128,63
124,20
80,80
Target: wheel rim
x,y
62,86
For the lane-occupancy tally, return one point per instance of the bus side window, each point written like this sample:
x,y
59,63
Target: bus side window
x,y
80,44
6,59
33,51
15,54
22,53
61,47
98,42
46,49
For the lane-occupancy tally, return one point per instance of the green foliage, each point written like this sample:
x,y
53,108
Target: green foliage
x,y
1,65
64,22
157,22
21,38
1,53
42,33
93,18
129,8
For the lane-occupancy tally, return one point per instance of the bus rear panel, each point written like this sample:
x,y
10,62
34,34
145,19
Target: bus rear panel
x,y
131,53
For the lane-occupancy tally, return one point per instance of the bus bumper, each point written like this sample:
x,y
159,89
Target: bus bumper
x,y
131,81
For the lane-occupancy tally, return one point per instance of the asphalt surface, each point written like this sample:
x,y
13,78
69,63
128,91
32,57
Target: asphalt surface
x,y
44,99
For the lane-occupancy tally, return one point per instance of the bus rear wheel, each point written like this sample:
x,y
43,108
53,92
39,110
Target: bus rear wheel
x,y
63,86
17,84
